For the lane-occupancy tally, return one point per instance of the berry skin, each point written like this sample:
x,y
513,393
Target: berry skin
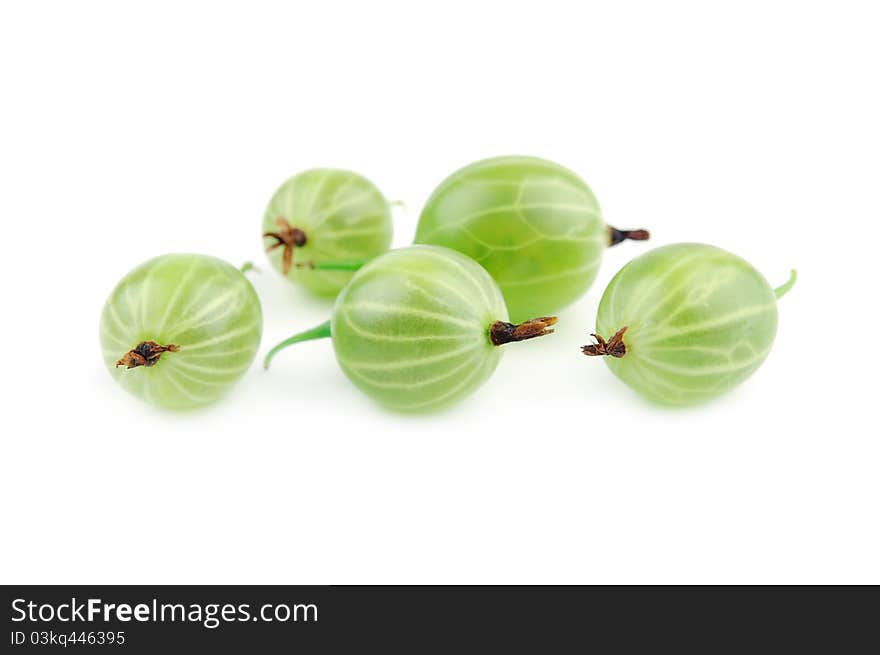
x,y
533,224
411,330
321,215
419,328
685,323
179,330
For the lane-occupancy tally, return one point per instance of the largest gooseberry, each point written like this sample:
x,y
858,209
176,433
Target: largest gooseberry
x,y
533,224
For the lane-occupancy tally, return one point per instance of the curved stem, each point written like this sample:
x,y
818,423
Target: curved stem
x,y
785,288
321,331
616,236
502,332
349,265
247,266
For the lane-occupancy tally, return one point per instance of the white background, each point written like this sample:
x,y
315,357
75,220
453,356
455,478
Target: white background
x,y
131,130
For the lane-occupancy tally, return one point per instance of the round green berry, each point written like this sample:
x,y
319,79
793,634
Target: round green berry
x,y
534,225
322,215
179,330
419,328
684,323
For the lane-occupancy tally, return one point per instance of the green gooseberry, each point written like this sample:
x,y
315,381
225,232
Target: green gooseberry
x,y
179,330
687,322
419,328
533,224
325,214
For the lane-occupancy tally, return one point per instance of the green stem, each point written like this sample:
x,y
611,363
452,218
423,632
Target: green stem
x,y
350,265
785,288
247,266
322,331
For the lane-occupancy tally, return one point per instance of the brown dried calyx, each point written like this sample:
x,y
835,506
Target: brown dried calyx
x,y
502,332
614,347
289,238
616,236
146,353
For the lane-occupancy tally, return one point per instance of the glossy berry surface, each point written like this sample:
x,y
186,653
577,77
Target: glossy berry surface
x,y
419,328
412,328
322,215
179,330
699,320
534,225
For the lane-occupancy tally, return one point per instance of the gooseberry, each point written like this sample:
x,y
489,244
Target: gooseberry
x,y
686,322
179,330
419,328
325,214
533,224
